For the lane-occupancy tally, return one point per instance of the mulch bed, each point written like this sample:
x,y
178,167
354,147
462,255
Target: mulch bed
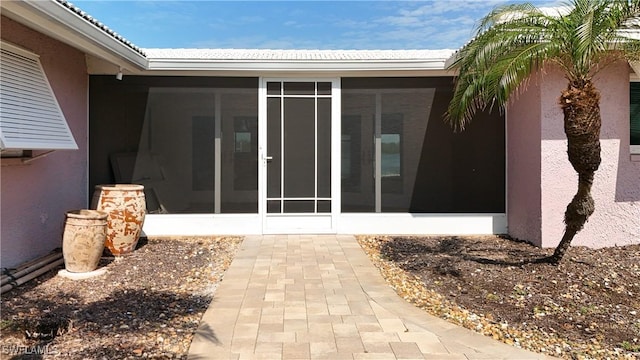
x,y
587,307
148,304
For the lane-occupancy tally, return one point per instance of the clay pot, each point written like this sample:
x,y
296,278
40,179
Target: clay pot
x,y
83,239
126,206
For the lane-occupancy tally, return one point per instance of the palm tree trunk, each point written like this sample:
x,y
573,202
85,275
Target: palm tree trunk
x,y
580,103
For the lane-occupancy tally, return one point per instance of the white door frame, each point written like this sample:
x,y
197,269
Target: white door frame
x,y
299,223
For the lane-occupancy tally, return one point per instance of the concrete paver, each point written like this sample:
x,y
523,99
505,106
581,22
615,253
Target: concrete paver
x,y
319,297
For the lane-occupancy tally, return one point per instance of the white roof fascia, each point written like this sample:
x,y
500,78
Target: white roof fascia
x,y
293,65
635,66
295,61
53,19
451,60
308,74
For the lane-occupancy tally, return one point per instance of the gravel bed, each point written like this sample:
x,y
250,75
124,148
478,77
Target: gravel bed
x,y
587,307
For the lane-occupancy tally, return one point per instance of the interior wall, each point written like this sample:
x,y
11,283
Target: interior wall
x,y
35,197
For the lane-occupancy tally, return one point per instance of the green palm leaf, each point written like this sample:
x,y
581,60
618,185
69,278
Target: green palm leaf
x,y
514,41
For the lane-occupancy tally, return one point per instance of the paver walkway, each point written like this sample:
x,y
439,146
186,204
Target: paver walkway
x,y
319,297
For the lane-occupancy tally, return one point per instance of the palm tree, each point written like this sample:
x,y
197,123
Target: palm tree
x,y
514,41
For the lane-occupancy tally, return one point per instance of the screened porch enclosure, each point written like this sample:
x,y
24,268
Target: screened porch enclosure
x,y
398,155
194,142
214,170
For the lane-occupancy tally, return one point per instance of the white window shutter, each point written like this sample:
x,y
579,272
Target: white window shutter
x,y
30,116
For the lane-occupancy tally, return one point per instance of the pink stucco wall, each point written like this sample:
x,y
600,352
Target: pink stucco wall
x,y
616,190
34,197
523,165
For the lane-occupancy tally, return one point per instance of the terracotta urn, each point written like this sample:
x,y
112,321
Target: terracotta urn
x,y
83,239
126,206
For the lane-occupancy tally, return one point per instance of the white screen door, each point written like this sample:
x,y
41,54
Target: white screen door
x,y
298,156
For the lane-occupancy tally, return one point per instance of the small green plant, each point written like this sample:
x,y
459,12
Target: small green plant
x,y
539,312
629,346
585,310
519,290
5,324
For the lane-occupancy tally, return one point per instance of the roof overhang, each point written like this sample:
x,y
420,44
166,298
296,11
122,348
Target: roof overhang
x,y
59,22
108,53
635,66
267,61
294,66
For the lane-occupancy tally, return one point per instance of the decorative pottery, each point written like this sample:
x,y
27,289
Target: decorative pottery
x,y
83,239
125,204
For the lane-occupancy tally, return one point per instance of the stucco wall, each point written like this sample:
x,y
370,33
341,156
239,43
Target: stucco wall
x,y
616,188
523,165
34,197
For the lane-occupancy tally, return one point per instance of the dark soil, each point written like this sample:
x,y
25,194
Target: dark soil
x,y
588,306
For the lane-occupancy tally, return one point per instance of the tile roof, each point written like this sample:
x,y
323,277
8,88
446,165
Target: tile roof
x,y
265,54
100,25
285,55
302,55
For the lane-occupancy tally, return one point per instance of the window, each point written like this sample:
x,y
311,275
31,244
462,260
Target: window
x,y
351,150
243,142
634,117
391,154
398,155
31,118
193,140
202,150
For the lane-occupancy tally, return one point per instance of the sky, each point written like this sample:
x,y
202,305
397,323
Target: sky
x,y
360,25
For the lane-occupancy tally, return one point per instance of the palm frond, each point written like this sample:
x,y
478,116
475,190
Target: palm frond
x,y
513,41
